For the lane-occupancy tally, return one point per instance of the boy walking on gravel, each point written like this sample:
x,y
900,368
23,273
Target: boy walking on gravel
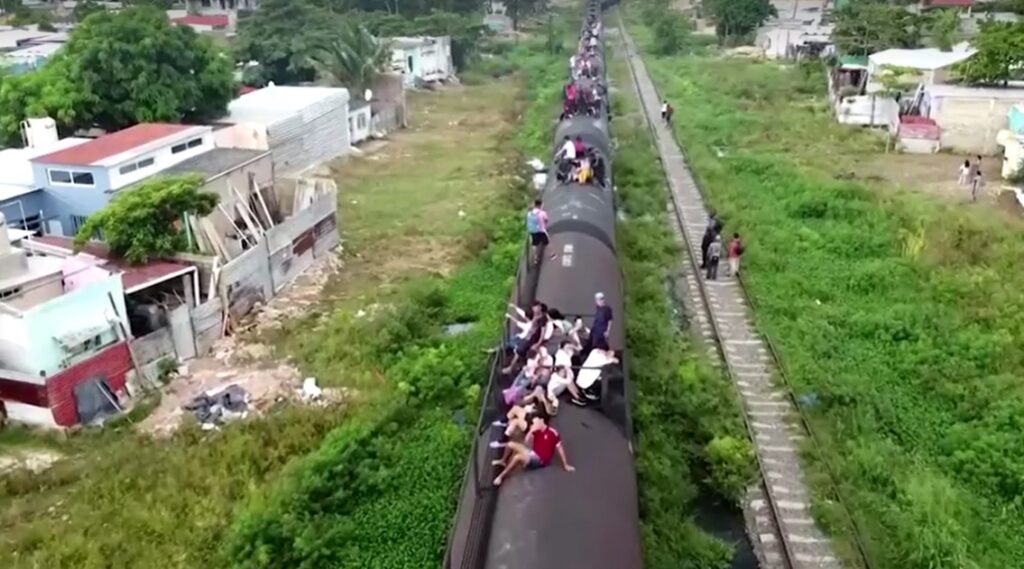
x,y
714,254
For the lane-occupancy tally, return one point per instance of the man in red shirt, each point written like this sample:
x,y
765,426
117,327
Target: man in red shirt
x,y
542,442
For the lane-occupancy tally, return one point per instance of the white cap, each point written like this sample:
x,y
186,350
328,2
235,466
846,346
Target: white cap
x,y
599,296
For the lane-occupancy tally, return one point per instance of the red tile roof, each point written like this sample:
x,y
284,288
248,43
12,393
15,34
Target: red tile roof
x,y
214,21
132,276
246,89
110,144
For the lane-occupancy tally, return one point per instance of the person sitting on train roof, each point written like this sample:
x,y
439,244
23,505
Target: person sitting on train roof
x,y
590,373
525,341
527,338
584,174
541,444
580,148
515,422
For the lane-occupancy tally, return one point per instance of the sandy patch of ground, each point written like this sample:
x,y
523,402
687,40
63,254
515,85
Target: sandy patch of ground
x,y
36,460
243,361
935,175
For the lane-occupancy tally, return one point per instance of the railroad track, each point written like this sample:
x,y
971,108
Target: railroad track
x,y
782,530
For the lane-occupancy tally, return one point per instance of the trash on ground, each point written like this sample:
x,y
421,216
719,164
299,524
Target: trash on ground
x,y
220,405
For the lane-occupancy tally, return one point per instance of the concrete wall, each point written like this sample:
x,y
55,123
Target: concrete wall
x,y
970,124
295,244
37,292
242,135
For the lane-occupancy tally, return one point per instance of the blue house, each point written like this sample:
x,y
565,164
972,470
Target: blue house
x,y
82,179
22,201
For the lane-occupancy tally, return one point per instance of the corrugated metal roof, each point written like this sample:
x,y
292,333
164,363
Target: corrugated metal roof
x,y
925,59
133,277
112,144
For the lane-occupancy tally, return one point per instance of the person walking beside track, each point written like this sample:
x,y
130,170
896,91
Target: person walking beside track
x,y
714,254
735,250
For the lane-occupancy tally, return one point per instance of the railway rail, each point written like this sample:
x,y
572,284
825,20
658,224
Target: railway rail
x,y
784,534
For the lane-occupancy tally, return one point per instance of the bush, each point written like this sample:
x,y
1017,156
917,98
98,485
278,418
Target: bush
x,y
146,221
731,461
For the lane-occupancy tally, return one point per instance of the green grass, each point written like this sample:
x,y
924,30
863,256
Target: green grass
x,y
899,314
684,411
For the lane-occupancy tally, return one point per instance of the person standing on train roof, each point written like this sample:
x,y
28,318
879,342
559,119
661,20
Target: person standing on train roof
x,y
602,325
579,147
537,228
541,445
668,113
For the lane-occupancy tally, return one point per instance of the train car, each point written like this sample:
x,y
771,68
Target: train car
x,y
551,518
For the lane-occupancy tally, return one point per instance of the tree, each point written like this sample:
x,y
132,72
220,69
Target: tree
x,y
353,58
736,19
44,93
670,32
86,8
1000,55
143,222
134,66
519,9
282,36
944,26
863,28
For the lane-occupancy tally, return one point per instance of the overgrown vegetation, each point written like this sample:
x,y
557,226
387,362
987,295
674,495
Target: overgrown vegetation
x,y
687,423
896,317
147,221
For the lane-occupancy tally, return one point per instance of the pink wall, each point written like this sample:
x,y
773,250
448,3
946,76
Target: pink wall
x,y
81,270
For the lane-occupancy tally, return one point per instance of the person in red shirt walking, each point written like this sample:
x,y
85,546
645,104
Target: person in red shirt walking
x,y
735,250
541,444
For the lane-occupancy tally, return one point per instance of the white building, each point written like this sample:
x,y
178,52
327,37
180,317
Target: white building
x,y
303,126
422,59
359,121
970,117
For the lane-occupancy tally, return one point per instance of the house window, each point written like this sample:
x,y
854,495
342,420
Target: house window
x,y
361,121
71,178
185,145
78,352
10,292
77,221
129,168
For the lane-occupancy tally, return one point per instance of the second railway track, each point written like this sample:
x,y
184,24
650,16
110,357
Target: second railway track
x,y
778,511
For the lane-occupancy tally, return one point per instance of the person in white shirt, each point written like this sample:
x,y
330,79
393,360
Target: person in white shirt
x,y
590,373
568,151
